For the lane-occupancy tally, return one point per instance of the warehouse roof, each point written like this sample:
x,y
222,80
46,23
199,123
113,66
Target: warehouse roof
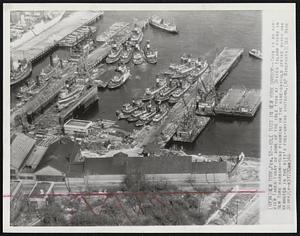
x,y
59,155
20,148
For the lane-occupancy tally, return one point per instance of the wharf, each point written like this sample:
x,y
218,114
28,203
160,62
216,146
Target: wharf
x,y
47,40
160,134
89,97
221,67
239,102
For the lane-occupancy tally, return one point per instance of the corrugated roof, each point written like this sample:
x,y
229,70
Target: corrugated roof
x,y
210,167
35,156
19,149
58,153
151,165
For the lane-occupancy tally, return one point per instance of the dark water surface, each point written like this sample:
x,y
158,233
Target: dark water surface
x,y
205,34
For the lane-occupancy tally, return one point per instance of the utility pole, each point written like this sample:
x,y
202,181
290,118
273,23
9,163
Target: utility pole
x,y
237,212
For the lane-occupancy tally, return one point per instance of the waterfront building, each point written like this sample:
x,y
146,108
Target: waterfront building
x,y
74,127
59,160
20,149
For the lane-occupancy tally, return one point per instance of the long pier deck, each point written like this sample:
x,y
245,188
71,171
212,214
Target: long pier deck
x,y
160,134
38,46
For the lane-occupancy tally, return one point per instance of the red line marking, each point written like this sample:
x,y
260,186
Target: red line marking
x,y
135,193
123,209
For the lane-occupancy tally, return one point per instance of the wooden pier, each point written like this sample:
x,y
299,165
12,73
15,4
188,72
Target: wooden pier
x,y
37,47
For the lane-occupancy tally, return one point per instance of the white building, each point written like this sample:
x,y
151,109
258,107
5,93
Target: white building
x,y
77,127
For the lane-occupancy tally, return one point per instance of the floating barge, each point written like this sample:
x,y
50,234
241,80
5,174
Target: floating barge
x,y
37,47
239,102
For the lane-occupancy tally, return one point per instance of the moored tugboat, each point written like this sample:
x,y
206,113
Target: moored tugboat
x,y
68,96
126,54
175,96
137,36
128,108
20,71
139,112
150,92
161,113
114,54
256,53
164,94
119,79
138,58
150,54
160,23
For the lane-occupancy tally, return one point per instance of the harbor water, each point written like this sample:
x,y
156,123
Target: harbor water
x,y
204,34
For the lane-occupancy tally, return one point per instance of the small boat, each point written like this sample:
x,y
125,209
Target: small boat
x,y
150,92
126,54
121,116
114,54
160,23
139,112
20,71
66,95
183,71
178,93
127,108
256,53
160,115
132,119
139,123
163,95
60,107
137,36
200,70
148,115
150,54
119,79
137,56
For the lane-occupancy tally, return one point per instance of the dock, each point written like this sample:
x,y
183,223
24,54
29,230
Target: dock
x,y
220,68
48,40
239,102
160,134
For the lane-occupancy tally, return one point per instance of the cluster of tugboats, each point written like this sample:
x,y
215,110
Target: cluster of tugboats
x,y
142,112
169,87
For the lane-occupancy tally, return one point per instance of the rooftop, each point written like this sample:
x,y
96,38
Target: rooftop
x,y
59,155
78,123
20,147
